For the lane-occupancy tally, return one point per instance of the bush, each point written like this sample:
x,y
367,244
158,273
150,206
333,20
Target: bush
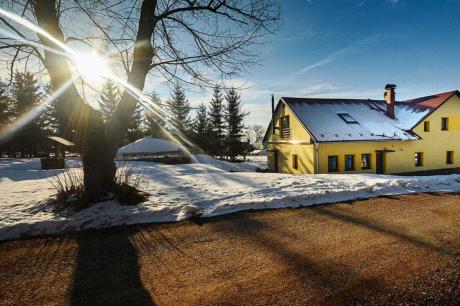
x,y
70,191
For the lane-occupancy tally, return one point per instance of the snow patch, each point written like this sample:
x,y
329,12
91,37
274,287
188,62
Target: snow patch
x,y
177,192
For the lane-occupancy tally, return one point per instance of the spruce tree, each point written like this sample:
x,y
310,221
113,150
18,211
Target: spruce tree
x,y
108,100
179,110
5,105
48,120
155,121
135,126
216,122
201,127
26,96
234,117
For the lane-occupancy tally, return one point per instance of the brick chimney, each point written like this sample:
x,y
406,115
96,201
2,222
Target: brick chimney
x,y
390,100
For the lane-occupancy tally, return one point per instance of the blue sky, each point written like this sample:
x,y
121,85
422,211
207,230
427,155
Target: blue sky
x,y
352,48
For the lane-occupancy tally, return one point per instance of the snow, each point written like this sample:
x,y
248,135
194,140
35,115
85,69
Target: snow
x,y
180,191
149,145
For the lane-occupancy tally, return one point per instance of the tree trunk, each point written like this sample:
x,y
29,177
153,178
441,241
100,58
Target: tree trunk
x,y
86,123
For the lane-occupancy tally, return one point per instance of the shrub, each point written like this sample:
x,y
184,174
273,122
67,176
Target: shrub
x,y
128,188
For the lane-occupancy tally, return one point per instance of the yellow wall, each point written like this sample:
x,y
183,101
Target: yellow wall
x,y
298,132
298,143
305,153
434,145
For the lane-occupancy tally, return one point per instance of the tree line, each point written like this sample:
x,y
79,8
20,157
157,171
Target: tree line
x,y
217,129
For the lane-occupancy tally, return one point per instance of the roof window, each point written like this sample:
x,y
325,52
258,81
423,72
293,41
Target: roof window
x,y
347,118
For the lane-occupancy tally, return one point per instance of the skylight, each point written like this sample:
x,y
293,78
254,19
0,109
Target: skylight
x,y
347,118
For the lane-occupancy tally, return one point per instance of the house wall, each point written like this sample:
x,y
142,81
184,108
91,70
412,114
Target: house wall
x,y
298,143
434,146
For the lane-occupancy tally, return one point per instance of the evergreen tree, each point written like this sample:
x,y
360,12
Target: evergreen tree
x,y
201,128
216,122
5,105
108,100
25,96
179,110
154,121
48,120
135,126
5,113
234,117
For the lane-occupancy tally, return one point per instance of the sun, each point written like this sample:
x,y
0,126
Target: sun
x,y
92,67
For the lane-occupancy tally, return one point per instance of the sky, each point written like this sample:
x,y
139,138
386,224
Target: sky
x,y
351,49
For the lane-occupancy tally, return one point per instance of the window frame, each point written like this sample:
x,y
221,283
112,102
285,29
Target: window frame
x,y
426,126
349,119
336,157
353,162
369,164
445,127
450,158
418,159
295,161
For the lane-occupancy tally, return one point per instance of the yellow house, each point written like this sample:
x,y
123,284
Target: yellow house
x,y
309,135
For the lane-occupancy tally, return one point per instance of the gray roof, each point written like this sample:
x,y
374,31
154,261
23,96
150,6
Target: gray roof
x,y
322,118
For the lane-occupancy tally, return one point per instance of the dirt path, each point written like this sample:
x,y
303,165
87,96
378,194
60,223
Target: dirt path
x,y
403,250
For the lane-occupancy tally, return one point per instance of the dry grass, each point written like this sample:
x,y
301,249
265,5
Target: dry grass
x,y
403,250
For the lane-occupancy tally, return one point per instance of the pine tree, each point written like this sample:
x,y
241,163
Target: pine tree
x,y
216,122
108,100
179,110
5,113
234,118
135,126
5,105
154,121
26,96
48,120
201,128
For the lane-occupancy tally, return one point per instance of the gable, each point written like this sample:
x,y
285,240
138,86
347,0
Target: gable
x,y
299,133
450,108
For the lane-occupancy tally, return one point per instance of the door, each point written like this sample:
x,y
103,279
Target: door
x,y
273,160
379,160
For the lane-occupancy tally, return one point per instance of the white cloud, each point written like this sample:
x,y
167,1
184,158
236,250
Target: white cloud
x,y
333,56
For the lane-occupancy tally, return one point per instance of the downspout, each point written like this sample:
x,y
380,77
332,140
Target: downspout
x,y
317,158
273,114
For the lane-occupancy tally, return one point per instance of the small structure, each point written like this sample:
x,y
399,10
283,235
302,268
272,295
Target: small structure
x,y
153,149
55,155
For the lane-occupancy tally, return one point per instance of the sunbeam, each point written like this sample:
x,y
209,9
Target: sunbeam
x,y
91,67
27,117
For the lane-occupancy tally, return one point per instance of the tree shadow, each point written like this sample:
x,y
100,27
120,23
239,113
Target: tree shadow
x,y
107,270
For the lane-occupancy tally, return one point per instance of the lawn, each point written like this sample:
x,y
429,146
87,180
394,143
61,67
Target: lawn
x,y
403,249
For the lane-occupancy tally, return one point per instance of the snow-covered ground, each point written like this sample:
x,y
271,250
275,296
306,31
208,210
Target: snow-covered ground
x,y
179,191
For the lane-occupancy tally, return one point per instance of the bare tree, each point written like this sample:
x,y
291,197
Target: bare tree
x,y
197,42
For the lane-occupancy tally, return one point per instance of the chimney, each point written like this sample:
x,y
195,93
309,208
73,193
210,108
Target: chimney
x,y
273,113
390,100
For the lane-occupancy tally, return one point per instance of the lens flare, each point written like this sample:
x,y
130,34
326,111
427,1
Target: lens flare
x,y
92,67
89,66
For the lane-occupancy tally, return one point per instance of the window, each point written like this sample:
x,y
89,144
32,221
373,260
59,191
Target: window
x,y
349,162
418,159
444,124
426,126
333,163
347,118
285,131
366,161
295,161
450,157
